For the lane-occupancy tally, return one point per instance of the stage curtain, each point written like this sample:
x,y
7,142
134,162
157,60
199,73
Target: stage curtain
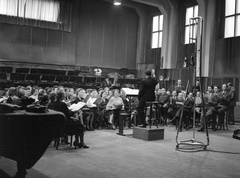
x,y
52,14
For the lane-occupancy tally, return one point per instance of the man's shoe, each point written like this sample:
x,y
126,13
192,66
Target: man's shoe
x,y
201,130
83,146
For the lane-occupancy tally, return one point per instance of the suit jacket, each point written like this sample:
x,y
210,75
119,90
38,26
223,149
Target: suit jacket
x,y
147,89
178,89
164,99
232,97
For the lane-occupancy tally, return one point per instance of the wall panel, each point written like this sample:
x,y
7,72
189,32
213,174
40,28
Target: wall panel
x,y
120,46
96,43
6,50
83,42
102,35
38,47
6,32
21,52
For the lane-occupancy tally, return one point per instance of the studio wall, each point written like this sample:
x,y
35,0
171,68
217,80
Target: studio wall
x,y
101,35
107,35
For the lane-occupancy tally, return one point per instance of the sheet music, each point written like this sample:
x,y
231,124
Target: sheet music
x,y
76,107
129,91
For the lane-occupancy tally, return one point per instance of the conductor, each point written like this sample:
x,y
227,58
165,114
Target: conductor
x,y
146,94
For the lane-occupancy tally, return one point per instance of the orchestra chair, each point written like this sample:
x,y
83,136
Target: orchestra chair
x,y
58,139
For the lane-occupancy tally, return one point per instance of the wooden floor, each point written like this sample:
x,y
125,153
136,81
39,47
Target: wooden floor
x,y
111,155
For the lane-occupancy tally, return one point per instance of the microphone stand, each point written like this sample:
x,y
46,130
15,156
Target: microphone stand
x,y
193,143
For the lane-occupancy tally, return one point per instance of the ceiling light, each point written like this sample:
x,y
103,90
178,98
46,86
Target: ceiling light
x,y
117,2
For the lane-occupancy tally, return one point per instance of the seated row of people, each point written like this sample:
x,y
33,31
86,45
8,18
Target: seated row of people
x,y
216,104
99,109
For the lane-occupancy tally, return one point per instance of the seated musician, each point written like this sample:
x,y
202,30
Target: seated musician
x,y
179,87
110,94
211,102
163,103
127,106
125,101
35,93
70,95
44,100
19,95
196,87
85,115
11,95
187,111
74,126
232,104
223,105
158,93
4,95
198,104
176,103
98,114
113,108
102,107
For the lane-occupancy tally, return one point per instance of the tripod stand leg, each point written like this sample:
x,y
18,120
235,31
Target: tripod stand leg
x,y
179,125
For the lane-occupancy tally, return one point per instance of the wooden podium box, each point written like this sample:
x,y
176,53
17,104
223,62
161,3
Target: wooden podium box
x,y
148,134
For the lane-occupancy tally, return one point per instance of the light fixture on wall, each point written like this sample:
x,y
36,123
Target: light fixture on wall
x,y
117,2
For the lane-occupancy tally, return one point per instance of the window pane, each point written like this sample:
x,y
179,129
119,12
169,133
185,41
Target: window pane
x,y
155,23
160,40
229,7
154,40
238,6
193,33
195,11
187,35
189,14
229,27
237,25
161,22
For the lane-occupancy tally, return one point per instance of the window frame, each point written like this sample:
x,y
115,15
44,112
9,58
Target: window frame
x,y
159,31
186,42
235,16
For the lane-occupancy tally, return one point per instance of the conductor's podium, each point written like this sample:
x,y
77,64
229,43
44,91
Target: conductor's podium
x,y
148,134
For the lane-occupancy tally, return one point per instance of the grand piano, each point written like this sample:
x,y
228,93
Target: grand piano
x,y
25,136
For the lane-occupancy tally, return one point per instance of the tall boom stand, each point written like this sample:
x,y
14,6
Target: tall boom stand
x,y
193,143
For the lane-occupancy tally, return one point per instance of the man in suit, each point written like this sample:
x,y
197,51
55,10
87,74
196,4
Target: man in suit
x,y
232,103
146,94
179,87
